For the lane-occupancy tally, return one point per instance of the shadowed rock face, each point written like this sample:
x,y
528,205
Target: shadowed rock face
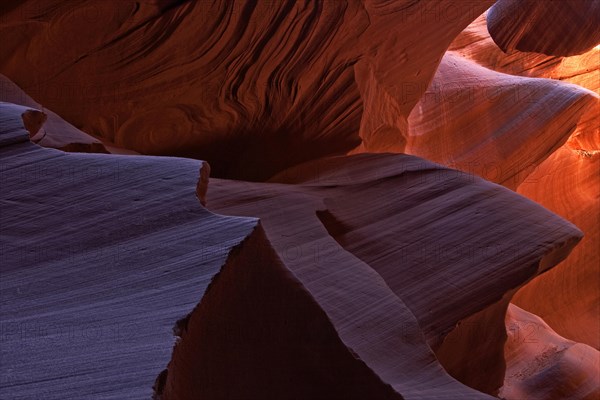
x,y
346,269
559,28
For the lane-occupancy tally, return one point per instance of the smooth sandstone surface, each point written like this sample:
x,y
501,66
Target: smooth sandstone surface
x,y
494,125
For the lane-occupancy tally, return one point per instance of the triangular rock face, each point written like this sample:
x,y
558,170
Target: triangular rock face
x,y
259,334
92,283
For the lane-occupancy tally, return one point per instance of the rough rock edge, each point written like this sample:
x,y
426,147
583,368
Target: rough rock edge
x,y
19,123
180,328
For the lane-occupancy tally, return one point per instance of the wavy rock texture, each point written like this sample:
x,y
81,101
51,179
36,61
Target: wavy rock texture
x,y
252,87
560,28
476,44
572,177
495,125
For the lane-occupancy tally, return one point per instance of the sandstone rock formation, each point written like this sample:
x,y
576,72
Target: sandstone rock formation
x,y
560,28
250,86
56,132
565,182
259,263
402,203
88,304
544,365
494,125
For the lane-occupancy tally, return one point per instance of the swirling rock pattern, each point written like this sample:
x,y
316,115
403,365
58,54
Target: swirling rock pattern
x,y
251,86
